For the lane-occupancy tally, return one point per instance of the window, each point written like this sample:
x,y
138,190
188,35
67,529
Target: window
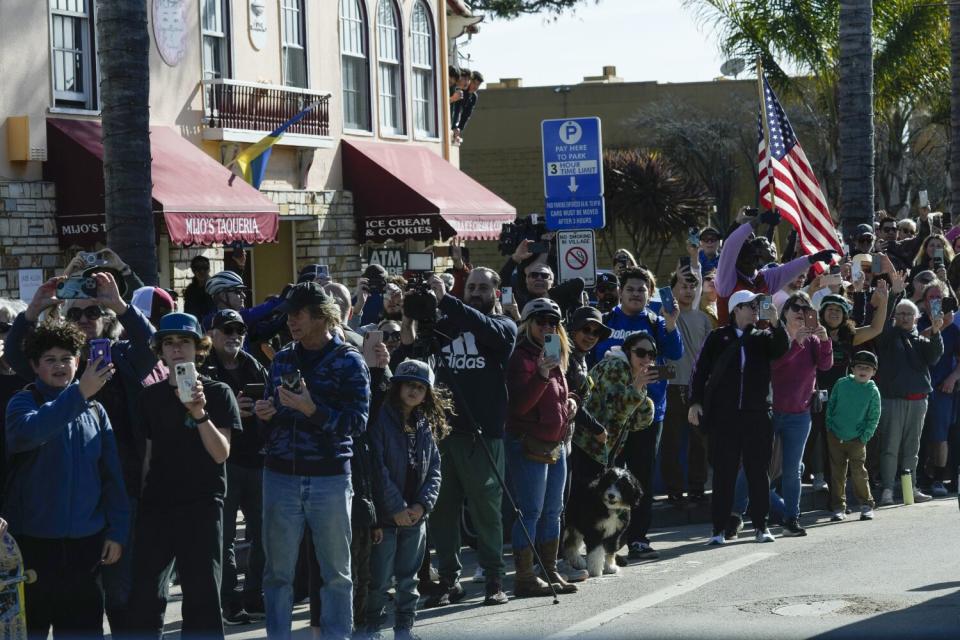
x,y
424,85
73,53
294,44
215,23
354,65
389,70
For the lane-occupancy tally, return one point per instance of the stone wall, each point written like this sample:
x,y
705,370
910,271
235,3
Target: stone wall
x,y
28,233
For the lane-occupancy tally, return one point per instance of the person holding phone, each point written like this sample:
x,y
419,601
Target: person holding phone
x,y
540,408
936,255
230,364
185,481
729,400
309,430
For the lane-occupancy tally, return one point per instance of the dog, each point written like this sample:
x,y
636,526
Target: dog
x,y
597,515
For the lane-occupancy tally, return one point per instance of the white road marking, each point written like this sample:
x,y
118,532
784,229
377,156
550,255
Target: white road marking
x,y
661,595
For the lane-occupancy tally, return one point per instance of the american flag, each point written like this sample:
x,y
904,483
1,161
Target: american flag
x,y
788,174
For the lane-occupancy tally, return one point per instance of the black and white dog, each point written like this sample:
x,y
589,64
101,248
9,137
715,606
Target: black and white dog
x,y
597,515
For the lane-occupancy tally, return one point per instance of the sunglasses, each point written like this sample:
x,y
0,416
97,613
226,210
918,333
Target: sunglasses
x,y
591,332
640,352
234,330
391,335
547,321
801,308
91,313
539,275
751,305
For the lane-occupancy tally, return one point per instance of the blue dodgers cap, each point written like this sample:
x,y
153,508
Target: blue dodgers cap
x,y
178,324
414,371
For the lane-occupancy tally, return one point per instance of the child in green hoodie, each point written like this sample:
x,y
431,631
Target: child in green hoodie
x,y
852,416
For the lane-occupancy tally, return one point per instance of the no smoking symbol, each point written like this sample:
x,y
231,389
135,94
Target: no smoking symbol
x,y
576,258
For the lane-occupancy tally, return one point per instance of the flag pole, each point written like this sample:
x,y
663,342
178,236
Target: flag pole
x,y
766,134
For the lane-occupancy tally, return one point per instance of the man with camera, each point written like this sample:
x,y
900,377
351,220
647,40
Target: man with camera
x,y
317,399
471,347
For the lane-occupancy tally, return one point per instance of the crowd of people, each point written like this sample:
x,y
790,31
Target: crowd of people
x,y
353,428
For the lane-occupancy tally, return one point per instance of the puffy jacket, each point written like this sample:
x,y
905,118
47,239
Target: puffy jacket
x,y
538,406
339,383
388,449
66,480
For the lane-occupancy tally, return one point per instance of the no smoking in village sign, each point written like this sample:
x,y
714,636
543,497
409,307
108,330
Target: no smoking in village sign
x,y
576,254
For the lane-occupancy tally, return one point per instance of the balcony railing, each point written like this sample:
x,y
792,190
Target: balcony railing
x,y
231,104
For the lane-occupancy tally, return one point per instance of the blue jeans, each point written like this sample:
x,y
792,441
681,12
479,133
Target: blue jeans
x,y
792,430
399,554
538,490
323,503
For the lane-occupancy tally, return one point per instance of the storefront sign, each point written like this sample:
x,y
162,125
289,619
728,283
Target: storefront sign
x,y
83,231
221,228
379,229
170,29
257,23
394,260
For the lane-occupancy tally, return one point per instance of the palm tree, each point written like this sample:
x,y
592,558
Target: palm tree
x,y
856,114
955,110
123,53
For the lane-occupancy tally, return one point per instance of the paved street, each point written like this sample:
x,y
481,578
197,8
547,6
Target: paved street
x,y
896,577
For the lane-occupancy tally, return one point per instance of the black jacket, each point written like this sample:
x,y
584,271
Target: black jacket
x,y
245,446
578,383
736,387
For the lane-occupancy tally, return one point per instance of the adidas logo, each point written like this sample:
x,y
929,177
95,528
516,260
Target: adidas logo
x,y
462,353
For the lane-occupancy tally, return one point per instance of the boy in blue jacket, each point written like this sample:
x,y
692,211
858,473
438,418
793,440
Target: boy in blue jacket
x,y
65,497
406,479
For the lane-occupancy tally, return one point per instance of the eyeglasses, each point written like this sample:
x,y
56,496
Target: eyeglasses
x,y
391,335
234,330
539,275
547,321
91,313
640,352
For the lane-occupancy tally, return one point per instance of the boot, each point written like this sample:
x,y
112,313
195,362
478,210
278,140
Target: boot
x,y
548,555
526,584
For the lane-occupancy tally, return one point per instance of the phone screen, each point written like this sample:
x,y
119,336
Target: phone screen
x,y
254,390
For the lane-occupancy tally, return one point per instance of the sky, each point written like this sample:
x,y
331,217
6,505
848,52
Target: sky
x,y
645,39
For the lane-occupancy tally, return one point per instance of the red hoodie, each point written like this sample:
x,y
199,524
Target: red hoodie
x,y
538,407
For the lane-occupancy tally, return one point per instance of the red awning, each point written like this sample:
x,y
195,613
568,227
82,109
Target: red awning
x,y
405,191
201,201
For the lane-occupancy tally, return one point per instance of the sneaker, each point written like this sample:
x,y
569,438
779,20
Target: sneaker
x,y
866,512
938,490
792,529
734,527
450,595
838,516
478,576
236,618
494,594
716,540
764,535
920,496
642,551
819,484
886,498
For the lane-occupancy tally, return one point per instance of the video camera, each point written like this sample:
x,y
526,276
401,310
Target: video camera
x,y
513,233
419,303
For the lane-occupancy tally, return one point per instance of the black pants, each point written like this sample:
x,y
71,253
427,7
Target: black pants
x,y
746,435
67,595
193,535
640,455
244,493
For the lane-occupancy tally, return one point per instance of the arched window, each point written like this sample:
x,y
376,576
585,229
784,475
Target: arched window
x,y
389,58
354,65
424,82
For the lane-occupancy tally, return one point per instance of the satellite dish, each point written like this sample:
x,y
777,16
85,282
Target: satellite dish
x,y
733,67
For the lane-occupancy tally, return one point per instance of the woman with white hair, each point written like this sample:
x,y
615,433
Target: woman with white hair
x,y
904,380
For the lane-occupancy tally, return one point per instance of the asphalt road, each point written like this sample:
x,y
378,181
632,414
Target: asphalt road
x,y
895,577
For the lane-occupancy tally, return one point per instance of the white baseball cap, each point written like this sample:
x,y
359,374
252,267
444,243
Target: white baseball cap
x,y
741,297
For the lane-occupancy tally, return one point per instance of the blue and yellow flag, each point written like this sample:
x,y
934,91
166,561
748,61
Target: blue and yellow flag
x,y
253,160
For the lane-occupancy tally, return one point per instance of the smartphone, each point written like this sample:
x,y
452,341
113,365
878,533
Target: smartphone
x,y
186,373
323,272
506,296
666,298
693,237
370,341
751,212
831,279
765,304
291,380
936,307
923,198
551,346
685,262
100,348
254,390
539,247
876,266
810,320
77,288
949,305
666,372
